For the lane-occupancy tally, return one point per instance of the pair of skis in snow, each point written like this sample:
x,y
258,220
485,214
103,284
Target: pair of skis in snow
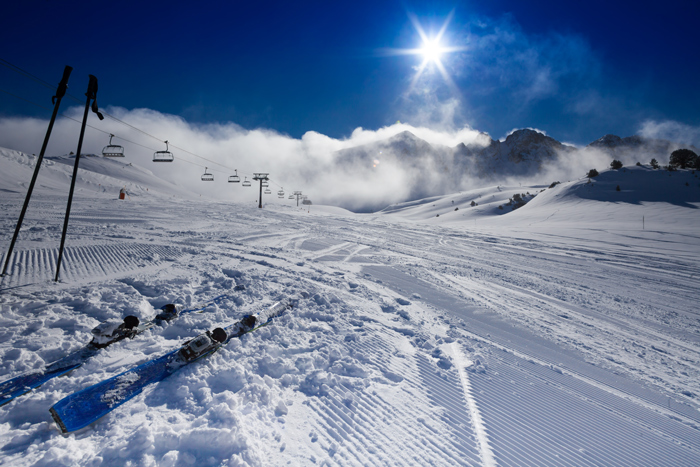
x,y
104,335
87,406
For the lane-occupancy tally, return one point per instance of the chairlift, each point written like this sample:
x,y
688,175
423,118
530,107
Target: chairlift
x,y
267,191
207,177
290,197
246,182
163,156
234,178
280,193
112,150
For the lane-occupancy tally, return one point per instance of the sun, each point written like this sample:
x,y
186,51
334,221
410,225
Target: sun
x,y
431,50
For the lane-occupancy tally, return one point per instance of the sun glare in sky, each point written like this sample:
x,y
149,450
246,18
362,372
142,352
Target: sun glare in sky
x,y
433,50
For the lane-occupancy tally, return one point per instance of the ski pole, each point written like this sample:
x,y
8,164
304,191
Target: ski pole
x,y
91,96
60,92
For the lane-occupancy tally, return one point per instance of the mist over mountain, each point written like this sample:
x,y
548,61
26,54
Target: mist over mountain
x,y
637,146
525,154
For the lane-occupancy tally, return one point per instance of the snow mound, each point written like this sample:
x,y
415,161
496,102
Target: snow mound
x,y
658,196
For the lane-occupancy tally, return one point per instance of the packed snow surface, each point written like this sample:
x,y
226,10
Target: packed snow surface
x,y
558,327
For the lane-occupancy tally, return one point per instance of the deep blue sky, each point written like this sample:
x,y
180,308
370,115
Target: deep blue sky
x,y
575,71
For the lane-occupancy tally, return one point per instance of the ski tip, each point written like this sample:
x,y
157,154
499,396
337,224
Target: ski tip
x,y
58,420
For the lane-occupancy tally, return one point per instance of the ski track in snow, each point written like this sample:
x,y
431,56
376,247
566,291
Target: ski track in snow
x,y
477,423
416,344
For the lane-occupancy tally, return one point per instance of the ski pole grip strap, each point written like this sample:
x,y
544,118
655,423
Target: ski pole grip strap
x,y
63,85
92,94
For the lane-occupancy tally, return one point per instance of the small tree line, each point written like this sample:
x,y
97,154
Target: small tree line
x,y
680,159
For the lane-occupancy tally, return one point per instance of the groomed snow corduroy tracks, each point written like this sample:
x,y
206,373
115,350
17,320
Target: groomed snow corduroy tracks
x,y
94,261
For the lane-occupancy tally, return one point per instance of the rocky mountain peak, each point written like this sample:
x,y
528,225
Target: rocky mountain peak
x,y
403,136
607,141
526,135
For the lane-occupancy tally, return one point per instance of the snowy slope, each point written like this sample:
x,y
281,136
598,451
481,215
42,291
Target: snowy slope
x,y
560,333
99,176
664,199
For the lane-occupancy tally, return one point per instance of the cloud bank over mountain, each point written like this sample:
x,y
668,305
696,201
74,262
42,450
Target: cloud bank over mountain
x,y
365,171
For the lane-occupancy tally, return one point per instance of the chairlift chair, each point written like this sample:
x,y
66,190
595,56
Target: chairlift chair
x,y
246,182
234,178
267,191
264,183
280,193
112,150
207,177
290,197
163,156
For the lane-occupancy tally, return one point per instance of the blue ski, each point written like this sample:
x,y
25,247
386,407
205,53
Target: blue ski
x,y
87,406
103,335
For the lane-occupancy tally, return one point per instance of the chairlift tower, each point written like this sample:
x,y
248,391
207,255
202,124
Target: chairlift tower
x,y
262,178
298,195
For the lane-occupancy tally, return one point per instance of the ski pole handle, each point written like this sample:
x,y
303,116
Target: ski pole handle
x,y
63,85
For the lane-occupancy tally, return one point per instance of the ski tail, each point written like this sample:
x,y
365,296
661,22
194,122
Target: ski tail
x,y
22,384
57,418
15,387
92,403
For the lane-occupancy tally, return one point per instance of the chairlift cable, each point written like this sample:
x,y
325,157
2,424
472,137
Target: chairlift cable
x,y
122,138
40,81
53,88
75,120
92,127
25,100
26,74
48,85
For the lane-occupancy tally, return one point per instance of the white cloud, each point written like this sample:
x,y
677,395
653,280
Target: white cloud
x,y
672,131
309,164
